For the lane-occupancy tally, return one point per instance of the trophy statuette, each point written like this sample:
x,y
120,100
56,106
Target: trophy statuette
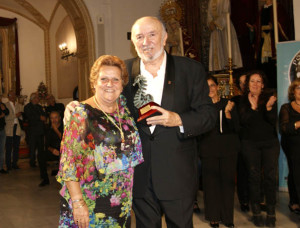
x,y
142,101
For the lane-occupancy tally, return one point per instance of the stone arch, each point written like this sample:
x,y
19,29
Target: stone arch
x,y
80,18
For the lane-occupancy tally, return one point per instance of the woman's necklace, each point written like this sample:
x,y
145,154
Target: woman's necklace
x,y
113,122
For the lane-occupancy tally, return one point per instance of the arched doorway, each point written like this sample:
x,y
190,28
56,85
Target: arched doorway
x,y
84,32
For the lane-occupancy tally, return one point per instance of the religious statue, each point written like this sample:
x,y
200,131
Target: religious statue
x,y
264,45
174,45
219,51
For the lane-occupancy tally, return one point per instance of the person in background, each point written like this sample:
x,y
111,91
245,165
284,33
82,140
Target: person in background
x,y
260,145
218,152
12,131
242,173
3,112
99,151
36,132
289,125
52,105
53,138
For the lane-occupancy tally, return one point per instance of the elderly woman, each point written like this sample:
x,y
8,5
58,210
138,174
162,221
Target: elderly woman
x,y
218,152
260,145
99,150
289,123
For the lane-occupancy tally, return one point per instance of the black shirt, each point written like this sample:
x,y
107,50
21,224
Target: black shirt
x,y
2,119
257,125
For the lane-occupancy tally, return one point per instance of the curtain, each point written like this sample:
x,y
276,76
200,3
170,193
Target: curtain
x,y
12,23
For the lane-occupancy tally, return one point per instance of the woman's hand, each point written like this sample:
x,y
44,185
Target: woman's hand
x,y
229,106
80,209
297,125
270,103
81,214
253,99
228,109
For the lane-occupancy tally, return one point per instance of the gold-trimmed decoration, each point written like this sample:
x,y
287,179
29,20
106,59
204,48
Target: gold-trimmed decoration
x,y
171,9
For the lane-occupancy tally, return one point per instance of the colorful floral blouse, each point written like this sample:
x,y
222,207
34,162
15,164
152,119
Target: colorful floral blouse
x,y
91,154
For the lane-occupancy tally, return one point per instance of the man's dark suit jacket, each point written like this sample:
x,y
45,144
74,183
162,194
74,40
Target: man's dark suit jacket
x,y
170,156
33,113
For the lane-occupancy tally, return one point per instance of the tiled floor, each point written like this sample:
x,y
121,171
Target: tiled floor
x,y
24,205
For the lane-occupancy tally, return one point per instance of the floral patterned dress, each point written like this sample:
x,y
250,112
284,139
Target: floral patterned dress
x,y
91,154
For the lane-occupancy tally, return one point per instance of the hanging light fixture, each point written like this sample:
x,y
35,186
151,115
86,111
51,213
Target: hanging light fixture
x,y
65,52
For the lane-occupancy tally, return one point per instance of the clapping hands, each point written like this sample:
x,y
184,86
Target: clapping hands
x,y
271,102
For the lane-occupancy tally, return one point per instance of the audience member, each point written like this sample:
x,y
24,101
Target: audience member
x,y
260,145
13,131
242,173
36,120
52,105
100,148
289,125
218,152
53,138
3,112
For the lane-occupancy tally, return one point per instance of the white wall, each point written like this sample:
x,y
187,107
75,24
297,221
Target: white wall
x,y
116,26
59,16
31,50
297,19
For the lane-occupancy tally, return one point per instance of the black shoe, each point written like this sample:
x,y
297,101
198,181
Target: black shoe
x,y
270,220
245,207
3,171
296,211
196,208
258,220
44,183
214,224
230,225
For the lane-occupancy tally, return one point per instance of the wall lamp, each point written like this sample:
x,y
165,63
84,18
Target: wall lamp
x,y
65,52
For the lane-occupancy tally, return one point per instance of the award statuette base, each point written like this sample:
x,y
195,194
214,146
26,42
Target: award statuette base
x,y
145,111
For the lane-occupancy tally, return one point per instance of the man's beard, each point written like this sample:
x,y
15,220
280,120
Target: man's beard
x,y
146,58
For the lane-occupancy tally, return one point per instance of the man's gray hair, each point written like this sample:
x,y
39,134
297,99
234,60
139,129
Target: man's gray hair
x,y
33,95
164,31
